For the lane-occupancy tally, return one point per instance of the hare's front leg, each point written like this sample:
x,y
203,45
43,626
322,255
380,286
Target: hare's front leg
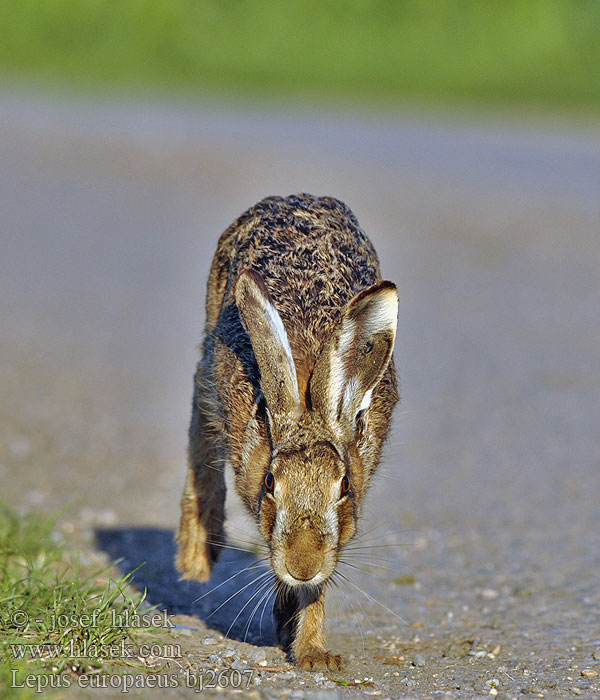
x,y
201,528
300,620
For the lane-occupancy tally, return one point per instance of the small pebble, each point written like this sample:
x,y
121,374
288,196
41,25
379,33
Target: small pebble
x,y
419,660
228,653
596,655
208,641
478,654
215,659
286,675
589,673
260,655
489,594
239,665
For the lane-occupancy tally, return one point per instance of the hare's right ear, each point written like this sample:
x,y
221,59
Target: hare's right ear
x,y
355,358
271,346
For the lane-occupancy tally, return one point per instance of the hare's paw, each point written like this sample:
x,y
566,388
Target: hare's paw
x,y
320,660
194,565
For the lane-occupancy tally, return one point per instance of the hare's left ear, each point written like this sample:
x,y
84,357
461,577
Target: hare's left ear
x,y
356,356
278,380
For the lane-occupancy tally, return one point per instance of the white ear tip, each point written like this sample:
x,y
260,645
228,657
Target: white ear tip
x,y
391,299
385,311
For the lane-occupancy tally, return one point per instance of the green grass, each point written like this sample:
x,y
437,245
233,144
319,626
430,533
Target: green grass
x,y
526,51
46,599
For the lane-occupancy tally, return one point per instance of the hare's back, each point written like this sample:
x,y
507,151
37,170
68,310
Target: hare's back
x,y
309,251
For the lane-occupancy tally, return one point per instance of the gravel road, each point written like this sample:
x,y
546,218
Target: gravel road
x,y
484,524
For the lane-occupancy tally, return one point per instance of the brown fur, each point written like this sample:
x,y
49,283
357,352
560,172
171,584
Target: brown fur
x,y
295,269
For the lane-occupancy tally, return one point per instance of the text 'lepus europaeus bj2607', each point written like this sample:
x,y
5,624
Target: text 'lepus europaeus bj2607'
x,y
295,390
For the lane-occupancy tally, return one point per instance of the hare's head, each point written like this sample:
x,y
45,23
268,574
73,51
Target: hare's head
x,y
310,486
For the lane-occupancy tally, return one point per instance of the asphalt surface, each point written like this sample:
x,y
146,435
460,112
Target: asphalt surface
x,y
487,502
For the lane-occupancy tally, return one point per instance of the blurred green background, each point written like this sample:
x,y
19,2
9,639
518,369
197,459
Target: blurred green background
x,y
538,52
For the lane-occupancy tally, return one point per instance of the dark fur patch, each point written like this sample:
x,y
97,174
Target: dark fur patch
x,y
231,332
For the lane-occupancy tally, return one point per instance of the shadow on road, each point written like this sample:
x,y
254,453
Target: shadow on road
x,y
235,600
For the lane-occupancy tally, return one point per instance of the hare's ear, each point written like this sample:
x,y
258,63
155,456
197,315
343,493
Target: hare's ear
x,y
271,346
355,357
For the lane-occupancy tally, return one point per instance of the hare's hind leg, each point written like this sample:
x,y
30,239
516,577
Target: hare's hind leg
x,y
201,528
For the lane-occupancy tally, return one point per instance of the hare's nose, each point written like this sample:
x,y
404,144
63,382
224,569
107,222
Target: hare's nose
x,y
304,555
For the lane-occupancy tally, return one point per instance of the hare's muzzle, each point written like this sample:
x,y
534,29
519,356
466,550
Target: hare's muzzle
x,y
304,555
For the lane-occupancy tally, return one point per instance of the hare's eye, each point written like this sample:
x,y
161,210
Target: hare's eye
x,y
269,482
345,485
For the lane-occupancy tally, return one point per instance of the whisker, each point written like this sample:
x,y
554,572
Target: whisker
x,y
367,557
369,531
231,546
361,537
374,600
383,475
256,607
254,565
254,547
371,573
247,603
379,546
364,612
364,559
249,540
236,527
255,580
339,589
245,536
274,591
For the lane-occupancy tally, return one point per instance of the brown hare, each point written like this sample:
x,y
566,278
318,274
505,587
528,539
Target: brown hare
x,y
295,390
